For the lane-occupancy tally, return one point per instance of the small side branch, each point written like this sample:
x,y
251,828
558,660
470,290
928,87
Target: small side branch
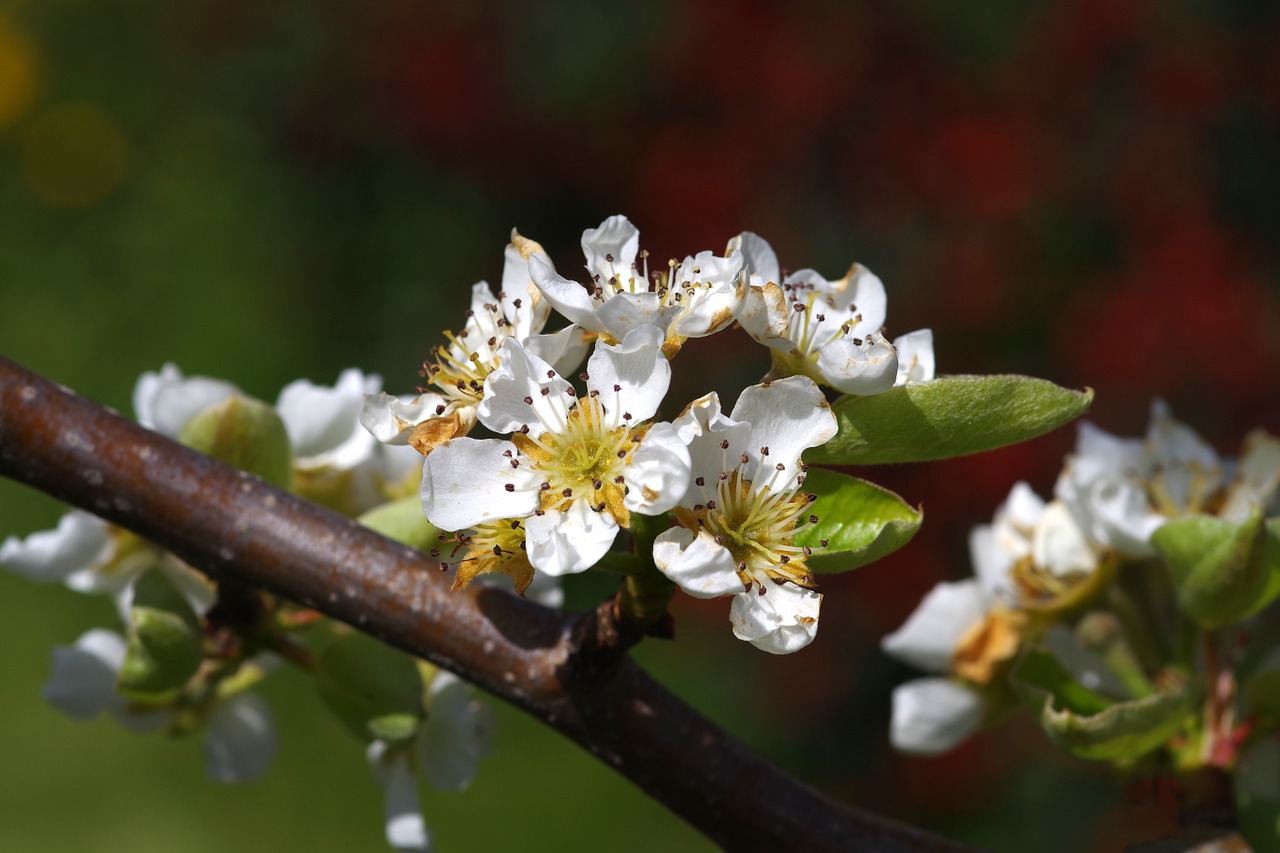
x,y
231,524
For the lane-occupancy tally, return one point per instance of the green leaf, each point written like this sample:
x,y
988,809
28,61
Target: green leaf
x,y
861,522
365,682
403,521
949,416
1223,572
1122,731
245,433
165,645
1262,693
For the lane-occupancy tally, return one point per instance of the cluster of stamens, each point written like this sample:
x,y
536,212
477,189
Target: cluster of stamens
x,y
579,457
496,546
753,521
808,314
458,369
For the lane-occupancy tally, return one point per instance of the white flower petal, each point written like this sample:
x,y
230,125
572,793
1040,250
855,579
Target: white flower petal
x,y
765,315
455,734
1256,480
711,292
390,418
324,422
696,563
513,393
700,417
563,350
658,474
637,370
864,290
405,829
1023,508
787,416
1059,544
570,541
865,368
929,637
464,482
624,312
79,541
933,715
758,256
83,681
780,620
915,357
517,284
991,562
1188,467
568,297
611,249
241,740
165,401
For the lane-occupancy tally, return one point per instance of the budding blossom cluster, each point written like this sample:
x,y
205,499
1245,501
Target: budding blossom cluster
x,y
578,463
1038,560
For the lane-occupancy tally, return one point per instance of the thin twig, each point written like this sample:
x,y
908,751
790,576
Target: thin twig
x,y
231,524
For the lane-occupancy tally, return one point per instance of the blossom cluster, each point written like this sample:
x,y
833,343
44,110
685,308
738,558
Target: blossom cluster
x,y
575,464
323,453
1041,568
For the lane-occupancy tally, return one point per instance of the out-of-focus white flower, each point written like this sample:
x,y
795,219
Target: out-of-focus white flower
x,y
94,557
826,330
446,751
738,519
575,468
165,401
694,298
240,738
1031,552
323,421
915,357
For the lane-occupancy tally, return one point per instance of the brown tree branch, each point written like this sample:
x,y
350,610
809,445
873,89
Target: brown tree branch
x,y
231,524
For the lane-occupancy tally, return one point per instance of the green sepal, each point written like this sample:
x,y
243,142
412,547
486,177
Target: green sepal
x,y
366,682
165,645
948,416
861,522
403,521
245,433
1223,572
1091,726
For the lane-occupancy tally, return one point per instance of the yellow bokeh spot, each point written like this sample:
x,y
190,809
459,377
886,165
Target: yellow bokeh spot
x,y
19,61
73,155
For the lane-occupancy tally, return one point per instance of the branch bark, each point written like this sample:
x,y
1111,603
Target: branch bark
x,y
231,524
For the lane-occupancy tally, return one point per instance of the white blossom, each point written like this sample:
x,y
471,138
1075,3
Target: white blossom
x,y
933,715
240,737
694,298
575,468
165,401
738,519
829,331
323,422
458,368
445,751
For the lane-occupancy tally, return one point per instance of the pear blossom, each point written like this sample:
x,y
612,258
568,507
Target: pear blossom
x,y
694,298
969,629
166,400
459,367
240,737
445,751
1124,489
91,556
575,468
829,331
738,520
323,422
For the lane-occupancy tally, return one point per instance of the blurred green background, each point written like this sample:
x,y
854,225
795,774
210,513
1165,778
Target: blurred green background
x,y
1084,191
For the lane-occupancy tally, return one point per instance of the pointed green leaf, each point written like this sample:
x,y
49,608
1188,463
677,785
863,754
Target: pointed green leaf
x,y
950,416
245,433
1120,731
366,682
165,645
403,521
861,522
1220,569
